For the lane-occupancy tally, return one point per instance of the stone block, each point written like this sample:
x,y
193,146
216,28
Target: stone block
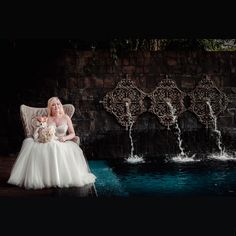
x,y
188,83
171,61
128,69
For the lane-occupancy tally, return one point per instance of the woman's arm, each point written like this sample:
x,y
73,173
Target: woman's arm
x,y
71,131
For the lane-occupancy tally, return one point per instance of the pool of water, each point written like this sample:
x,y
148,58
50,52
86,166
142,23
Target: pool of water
x,y
207,177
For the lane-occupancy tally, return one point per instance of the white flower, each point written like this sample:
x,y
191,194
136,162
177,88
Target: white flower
x,y
46,134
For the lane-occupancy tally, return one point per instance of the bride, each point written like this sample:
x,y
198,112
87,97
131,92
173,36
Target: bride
x,y
58,163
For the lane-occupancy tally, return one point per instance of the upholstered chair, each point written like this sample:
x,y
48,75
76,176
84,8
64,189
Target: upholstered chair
x,y
28,115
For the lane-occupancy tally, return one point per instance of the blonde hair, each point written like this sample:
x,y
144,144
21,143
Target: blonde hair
x,y
50,102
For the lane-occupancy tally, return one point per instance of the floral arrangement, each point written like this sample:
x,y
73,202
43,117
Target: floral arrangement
x,y
46,134
43,132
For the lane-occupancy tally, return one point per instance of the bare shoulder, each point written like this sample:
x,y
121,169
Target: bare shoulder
x,y
67,117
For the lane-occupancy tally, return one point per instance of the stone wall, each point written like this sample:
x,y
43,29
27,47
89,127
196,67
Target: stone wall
x,y
84,77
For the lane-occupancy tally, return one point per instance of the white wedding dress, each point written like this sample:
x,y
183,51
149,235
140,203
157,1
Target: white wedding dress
x,y
52,164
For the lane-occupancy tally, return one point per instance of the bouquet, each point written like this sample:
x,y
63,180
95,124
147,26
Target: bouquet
x,y
43,132
46,134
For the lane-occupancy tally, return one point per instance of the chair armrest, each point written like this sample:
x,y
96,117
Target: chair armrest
x,y
76,139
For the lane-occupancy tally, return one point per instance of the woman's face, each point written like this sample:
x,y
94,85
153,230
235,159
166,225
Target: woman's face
x,y
55,107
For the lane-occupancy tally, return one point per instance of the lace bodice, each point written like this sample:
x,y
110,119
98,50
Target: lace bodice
x,y
60,130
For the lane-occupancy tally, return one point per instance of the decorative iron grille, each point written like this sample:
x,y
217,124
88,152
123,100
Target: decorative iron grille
x,y
167,92
206,91
125,99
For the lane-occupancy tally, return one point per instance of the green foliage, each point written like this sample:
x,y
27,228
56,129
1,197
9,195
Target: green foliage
x,y
123,45
188,44
118,45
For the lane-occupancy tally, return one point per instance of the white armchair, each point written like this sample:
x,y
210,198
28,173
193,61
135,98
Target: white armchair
x,y
28,115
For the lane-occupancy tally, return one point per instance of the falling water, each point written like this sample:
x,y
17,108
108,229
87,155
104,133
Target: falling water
x,y
132,158
219,143
183,157
222,155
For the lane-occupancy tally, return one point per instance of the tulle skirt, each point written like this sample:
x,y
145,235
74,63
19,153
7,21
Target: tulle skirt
x,y
53,164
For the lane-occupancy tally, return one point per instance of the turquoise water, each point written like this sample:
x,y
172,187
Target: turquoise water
x,y
160,178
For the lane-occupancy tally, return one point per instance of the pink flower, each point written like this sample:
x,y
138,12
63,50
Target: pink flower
x,y
42,119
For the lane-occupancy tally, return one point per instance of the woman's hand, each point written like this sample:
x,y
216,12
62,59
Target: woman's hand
x,y
62,139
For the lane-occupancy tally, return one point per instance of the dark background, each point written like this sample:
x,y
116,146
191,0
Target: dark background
x,y
208,216
35,69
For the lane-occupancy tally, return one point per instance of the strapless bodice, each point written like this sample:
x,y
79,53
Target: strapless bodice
x,y
60,130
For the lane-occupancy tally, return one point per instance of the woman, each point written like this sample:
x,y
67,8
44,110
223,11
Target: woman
x,y
58,163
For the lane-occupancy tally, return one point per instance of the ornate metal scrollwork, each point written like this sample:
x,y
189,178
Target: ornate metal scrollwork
x,y
125,102
166,92
206,93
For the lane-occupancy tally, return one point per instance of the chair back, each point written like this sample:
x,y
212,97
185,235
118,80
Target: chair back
x,y
28,114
